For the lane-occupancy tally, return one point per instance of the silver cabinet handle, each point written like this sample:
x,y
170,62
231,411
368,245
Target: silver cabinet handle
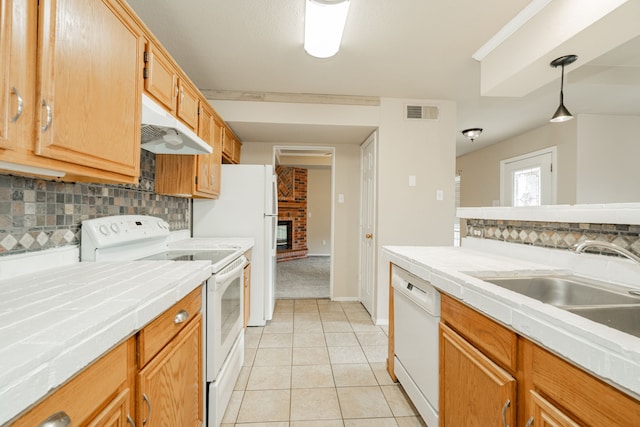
x,y
59,419
49,115
529,422
181,317
20,105
130,421
504,412
148,402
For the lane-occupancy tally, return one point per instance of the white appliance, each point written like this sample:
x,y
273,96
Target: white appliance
x,y
416,311
247,207
139,237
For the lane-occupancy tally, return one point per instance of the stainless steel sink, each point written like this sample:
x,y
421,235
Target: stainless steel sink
x,y
625,319
565,291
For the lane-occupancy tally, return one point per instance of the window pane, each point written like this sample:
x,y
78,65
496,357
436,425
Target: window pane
x,y
526,187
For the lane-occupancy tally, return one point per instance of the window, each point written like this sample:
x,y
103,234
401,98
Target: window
x,y
529,180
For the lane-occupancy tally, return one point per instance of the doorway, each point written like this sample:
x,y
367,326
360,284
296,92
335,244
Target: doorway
x,y
529,180
305,217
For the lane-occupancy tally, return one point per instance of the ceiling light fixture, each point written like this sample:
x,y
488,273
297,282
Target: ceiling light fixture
x,y
323,26
472,133
562,114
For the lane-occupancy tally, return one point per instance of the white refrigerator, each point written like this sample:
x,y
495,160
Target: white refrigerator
x,y
247,207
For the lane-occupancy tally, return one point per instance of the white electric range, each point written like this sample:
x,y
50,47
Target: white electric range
x,y
140,237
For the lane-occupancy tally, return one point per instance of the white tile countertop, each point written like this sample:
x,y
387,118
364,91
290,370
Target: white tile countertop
x,y
55,322
609,354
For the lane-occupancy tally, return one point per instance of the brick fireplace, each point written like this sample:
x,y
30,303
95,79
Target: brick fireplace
x,y
292,213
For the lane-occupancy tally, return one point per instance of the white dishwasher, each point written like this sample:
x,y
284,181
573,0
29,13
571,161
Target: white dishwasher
x,y
416,315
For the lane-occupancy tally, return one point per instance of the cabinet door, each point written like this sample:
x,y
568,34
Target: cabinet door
x,y
474,391
161,80
204,162
188,103
247,294
216,155
90,69
237,149
116,414
544,414
227,144
170,386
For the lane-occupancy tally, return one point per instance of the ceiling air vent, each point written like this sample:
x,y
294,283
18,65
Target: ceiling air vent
x,y
421,112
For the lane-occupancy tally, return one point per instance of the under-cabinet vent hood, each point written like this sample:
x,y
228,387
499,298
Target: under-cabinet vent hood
x,y
164,134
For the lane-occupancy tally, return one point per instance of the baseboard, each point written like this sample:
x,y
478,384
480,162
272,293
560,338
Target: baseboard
x,y
327,255
345,299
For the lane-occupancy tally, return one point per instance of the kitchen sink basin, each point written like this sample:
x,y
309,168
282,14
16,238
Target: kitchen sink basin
x,y
625,319
565,291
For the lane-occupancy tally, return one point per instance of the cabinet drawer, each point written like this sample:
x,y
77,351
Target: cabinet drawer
x,y
87,393
496,341
159,332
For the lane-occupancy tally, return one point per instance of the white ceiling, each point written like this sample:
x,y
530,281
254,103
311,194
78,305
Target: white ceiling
x,y
391,48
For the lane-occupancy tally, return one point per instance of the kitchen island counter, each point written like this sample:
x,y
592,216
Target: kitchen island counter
x,y
607,353
55,322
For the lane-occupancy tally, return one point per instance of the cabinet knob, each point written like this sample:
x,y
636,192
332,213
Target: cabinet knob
x,y
181,317
59,419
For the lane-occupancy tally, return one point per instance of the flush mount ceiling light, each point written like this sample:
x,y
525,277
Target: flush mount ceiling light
x,y
562,114
472,133
323,26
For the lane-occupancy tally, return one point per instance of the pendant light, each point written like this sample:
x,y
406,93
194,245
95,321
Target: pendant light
x,y
472,133
562,114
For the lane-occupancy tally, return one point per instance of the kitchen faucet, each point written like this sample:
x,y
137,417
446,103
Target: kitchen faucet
x,y
580,247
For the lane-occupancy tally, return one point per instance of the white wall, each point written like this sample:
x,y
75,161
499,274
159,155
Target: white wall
x,y
480,170
319,211
608,159
406,215
412,215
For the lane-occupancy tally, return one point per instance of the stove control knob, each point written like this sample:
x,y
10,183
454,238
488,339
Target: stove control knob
x,y
115,228
103,230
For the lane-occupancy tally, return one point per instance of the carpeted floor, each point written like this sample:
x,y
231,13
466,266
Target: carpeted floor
x,y
303,278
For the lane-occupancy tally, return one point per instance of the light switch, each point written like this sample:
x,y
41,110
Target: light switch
x,y
412,180
439,195
340,198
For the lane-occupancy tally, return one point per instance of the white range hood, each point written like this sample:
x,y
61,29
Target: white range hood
x,y
162,133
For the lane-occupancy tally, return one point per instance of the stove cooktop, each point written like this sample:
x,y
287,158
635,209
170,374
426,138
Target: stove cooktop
x,y
214,256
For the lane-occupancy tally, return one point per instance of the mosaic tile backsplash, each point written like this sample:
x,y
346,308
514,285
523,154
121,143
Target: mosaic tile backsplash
x,y
37,214
555,234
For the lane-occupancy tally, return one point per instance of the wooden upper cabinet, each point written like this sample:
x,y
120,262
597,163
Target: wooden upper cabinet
x,y
160,78
216,156
231,147
89,85
188,104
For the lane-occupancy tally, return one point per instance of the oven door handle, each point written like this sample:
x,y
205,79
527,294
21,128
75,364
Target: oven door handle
x,y
220,278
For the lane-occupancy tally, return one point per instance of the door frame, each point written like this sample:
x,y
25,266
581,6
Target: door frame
x,y
274,162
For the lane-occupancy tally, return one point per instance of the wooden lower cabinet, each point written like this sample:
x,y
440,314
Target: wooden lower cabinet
x,y
170,386
475,391
483,365
247,293
152,379
98,396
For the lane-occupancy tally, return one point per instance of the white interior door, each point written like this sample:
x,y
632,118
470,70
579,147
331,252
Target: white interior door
x,y
367,223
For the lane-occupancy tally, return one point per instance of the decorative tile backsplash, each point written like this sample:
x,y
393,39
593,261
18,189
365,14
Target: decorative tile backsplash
x,y
37,214
555,234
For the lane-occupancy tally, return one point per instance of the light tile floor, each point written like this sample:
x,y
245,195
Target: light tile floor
x,y
318,363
